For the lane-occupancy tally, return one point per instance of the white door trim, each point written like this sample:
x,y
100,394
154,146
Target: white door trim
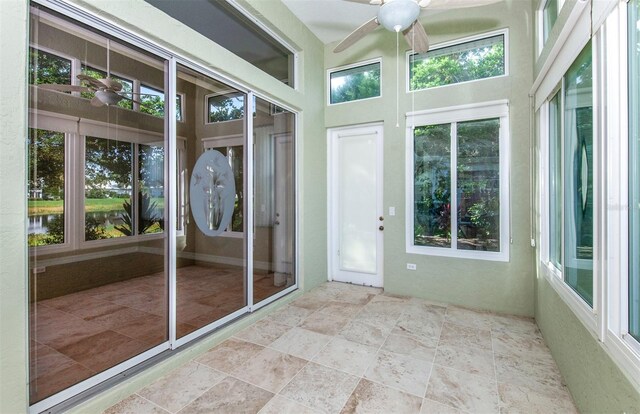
x,y
332,219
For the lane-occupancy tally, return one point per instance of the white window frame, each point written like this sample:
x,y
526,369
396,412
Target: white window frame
x,y
539,18
607,321
504,32
485,110
331,71
226,142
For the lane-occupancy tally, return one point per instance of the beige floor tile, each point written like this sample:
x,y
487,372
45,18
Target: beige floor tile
x,y
182,386
312,302
514,324
269,369
383,314
263,332
229,355
346,310
517,399
282,405
468,317
301,343
468,359
459,335
364,333
326,324
401,372
372,398
135,405
541,376
321,388
413,346
232,396
434,407
347,356
520,344
467,392
290,315
422,320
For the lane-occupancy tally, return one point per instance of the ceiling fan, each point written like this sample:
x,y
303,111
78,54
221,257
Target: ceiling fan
x,y
402,16
107,91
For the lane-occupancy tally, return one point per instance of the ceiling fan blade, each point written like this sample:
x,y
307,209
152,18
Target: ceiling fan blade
x,y
112,84
455,4
417,37
93,81
357,34
95,101
64,88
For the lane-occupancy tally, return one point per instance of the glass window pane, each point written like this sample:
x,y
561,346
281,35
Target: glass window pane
x,y
236,159
150,189
47,68
352,84
549,16
46,187
634,164
108,189
578,173
463,62
432,186
555,181
274,201
151,101
479,185
225,107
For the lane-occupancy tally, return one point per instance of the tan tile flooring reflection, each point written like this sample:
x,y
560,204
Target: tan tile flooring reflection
x,y
343,348
78,335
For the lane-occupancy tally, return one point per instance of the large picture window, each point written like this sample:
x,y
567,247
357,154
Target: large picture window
x,y
458,176
465,60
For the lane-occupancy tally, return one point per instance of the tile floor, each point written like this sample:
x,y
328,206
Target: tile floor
x,y
79,335
345,349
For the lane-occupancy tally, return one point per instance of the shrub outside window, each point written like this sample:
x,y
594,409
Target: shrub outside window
x,y
457,175
466,60
356,82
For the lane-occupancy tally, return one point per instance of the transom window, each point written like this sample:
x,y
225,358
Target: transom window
x,y
464,60
457,179
355,82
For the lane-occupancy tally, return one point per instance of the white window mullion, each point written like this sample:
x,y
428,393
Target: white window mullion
x,y
453,211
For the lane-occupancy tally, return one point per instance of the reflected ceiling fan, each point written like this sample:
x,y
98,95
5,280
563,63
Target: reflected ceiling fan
x,y
402,16
107,91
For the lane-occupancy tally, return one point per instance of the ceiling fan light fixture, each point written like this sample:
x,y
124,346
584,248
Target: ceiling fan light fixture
x,y
397,15
108,97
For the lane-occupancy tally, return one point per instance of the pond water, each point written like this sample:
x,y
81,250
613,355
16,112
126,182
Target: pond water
x,y
39,224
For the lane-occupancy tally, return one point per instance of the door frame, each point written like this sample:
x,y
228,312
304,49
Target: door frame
x,y
332,176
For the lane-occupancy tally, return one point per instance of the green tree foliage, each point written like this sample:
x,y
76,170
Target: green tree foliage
x,y
45,68
152,105
438,70
46,163
106,162
226,109
358,85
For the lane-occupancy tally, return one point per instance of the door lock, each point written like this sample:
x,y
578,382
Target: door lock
x,y
381,218
381,228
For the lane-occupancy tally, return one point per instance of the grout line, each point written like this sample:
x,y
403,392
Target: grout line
x,y
148,400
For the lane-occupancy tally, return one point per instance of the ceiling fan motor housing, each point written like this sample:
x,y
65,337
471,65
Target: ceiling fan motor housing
x,y
397,15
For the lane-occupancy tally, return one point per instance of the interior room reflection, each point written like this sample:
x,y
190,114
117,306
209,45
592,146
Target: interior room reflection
x,y
98,197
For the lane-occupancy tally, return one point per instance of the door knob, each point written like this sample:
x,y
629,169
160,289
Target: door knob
x,y
381,228
381,218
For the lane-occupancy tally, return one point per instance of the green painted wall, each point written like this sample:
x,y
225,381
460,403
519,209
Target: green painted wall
x,y
595,381
141,18
13,257
496,286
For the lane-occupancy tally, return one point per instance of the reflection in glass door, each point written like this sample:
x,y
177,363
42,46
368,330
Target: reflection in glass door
x,y
273,198
210,255
96,240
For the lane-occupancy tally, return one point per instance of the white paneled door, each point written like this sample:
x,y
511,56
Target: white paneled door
x,y
356,222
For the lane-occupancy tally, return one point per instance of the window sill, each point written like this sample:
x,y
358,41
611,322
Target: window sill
x,y
502,256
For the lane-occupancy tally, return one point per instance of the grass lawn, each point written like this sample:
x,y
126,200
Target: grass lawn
x,y
92,205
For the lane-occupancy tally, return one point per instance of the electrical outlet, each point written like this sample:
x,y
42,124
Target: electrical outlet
x,y
411,266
